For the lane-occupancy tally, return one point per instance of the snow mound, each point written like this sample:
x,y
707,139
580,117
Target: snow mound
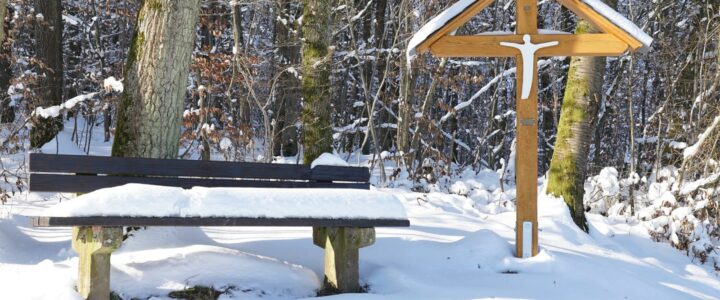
x,y
132,200
159,271
43,281
328,159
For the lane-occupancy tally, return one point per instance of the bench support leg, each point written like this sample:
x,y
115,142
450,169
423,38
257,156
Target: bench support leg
x,y
342,245
94,245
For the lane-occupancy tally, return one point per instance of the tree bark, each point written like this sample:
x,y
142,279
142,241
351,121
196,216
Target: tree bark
x,y
288,85
243,112
150,109
7,112
316,61
583,95
405,116
48,33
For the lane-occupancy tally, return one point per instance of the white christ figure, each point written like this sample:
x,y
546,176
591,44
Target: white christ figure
x,y
528,50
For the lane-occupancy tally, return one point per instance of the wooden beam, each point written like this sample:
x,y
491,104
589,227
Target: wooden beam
x,y
65,183
213,221
526,17
84,164
526,161
600,22
489,45
454,24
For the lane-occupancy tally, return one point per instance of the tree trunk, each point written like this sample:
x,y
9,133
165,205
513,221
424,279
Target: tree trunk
x,y
583,95
238,41
7,112
150,110
405,116
385,134
288,86
316,61
48,33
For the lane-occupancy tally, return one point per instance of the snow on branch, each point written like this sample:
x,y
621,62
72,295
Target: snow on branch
x,y
110,84
54,111
689,152
484,89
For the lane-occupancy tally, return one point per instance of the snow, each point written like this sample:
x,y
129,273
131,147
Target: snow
x,y
496,33
620,21
132,200
552,31
692,150
225,144
72,20
54,111
169,268
329,159
608,180
111,84
434,25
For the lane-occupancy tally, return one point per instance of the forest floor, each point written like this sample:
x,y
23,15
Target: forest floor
x,y
460,246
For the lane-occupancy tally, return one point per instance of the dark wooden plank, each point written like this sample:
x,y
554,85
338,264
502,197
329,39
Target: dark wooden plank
x,y
47,163
68,183
195,221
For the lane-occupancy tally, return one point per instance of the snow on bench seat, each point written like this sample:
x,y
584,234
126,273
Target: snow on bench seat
x,y
150,201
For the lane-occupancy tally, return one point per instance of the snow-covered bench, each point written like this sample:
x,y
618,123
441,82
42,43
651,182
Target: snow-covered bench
x,y
334,200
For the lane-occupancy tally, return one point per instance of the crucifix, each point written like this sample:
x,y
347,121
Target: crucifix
x,y
618,36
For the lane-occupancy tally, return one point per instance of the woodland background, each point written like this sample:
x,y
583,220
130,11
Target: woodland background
x,y
653,118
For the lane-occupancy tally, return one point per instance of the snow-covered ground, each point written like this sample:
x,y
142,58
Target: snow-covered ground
x,y
460,246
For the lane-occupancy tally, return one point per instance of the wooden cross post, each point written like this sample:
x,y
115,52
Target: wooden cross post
x,y
527,45
526,156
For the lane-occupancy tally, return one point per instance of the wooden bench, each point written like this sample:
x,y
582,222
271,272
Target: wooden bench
x,y
94,238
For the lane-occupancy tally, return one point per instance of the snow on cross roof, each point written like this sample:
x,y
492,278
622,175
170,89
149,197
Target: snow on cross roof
x,y
456,9
620,21
435,24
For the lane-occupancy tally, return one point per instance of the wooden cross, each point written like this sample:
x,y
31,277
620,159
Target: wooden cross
x,y
527,45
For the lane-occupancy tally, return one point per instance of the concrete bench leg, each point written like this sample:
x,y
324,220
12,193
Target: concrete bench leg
x,y
94,245
342,245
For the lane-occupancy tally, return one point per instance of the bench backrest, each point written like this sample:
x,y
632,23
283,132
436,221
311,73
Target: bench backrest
x,y
83,174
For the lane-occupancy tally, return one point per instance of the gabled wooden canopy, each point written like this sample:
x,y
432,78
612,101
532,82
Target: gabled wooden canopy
x,y
612,41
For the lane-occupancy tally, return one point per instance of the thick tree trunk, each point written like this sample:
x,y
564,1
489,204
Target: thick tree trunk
x,y
581,102
48,33
288,85
150,110
7,112
316,60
